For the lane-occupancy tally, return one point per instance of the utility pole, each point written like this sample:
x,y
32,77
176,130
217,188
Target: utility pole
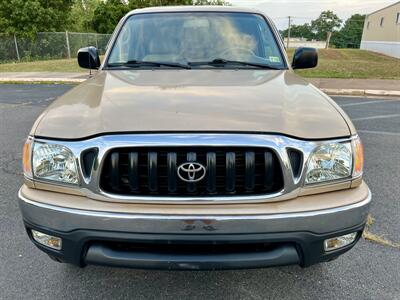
x,y
288,36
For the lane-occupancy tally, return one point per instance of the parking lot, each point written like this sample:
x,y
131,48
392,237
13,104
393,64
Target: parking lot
x,y
369,271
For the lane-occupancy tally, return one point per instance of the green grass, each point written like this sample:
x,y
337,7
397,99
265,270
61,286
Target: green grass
x,y
352,63
333,63
57,65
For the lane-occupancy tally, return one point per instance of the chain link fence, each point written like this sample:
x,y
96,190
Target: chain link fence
x,y
49,45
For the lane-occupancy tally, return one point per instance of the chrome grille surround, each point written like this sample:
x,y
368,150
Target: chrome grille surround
x,y
89,186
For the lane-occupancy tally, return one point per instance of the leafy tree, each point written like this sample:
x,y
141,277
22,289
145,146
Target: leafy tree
x,y
300,31
81,15
26,17
326,23
108,13
350,35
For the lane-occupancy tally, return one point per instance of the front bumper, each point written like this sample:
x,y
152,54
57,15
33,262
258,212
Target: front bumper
x,y
193,241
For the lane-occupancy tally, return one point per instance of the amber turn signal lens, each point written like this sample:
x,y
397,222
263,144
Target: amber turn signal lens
x,y
358,157
26,158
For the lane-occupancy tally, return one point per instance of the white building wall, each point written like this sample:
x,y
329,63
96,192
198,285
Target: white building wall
x,y
299,43
387,48
382,31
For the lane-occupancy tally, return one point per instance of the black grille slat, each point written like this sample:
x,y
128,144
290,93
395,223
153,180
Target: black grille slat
x,y
268,169
230,171
250,171
171,174
191,157
88,159
133,171
296,160
152,171
211,172
114,161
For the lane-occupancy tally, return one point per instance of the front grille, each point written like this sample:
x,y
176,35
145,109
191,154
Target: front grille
x,y
228,171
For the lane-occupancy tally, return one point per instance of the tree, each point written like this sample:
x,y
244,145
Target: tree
x,y
326,23
26,17
108,13
81,15
350,35
300,31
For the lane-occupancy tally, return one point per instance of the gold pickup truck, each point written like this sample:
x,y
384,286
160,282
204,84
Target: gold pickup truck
x,y
194,146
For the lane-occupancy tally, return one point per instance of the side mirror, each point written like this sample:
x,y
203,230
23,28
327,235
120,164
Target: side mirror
x,y
88,58
305,58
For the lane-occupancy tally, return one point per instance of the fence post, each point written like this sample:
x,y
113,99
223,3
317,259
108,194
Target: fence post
x,y
16,47
97,45
68,48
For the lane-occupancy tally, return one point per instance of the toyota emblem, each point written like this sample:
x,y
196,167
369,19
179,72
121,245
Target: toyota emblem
x,y
191,172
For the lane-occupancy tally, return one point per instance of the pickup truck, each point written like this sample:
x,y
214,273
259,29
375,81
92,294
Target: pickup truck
x,y
194,146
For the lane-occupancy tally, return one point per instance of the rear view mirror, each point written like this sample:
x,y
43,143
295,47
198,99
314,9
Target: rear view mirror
x,y
305,58
88,58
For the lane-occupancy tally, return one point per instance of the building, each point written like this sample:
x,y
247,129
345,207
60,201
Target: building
x,y
382,31
301,42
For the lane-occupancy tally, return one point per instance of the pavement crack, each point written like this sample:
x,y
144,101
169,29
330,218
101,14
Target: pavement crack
x,y
379,239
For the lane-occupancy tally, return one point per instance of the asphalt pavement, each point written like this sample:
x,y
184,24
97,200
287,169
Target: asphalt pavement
x,y
368,271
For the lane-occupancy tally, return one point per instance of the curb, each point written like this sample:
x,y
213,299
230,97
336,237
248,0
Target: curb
x,y
42,80
329,91
359,92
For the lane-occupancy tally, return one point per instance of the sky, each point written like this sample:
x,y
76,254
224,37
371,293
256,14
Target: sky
x,y
307,10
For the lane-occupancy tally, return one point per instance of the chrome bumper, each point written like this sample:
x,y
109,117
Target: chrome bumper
x,y
319,222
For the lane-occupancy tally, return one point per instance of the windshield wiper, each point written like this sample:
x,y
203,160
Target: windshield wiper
x,y
140,63
224,62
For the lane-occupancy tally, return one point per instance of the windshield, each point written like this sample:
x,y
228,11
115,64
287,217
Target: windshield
x,y
196,39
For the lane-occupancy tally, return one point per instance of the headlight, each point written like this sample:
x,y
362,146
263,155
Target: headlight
x,y
330,162
54,162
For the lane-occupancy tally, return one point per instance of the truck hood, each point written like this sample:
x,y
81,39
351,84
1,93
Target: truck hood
x,y
264,101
